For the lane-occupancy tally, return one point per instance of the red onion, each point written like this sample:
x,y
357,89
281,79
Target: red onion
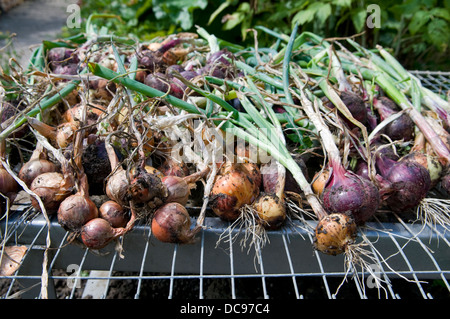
x,y
349,193
409,180
401,128
171,224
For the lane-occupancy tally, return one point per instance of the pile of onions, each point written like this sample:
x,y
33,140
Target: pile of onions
x,y
233,188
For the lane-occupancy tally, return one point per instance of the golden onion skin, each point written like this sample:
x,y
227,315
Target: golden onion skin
x,y
334,233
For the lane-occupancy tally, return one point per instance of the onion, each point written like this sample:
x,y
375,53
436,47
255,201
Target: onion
x,y
36,165
114,213
320,179
429,162
52,188
173,167
233,189
335,233
76,210
98,233
401,128
270,204
179,188
171,224
118,182
409,181
145,187
355,105
96,165
349,193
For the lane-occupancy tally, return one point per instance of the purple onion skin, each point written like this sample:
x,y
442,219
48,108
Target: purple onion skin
x,y
347,192
445,183
409,181
356,106
157,81
400,128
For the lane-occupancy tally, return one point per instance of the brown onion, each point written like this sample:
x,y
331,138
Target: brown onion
x,y
271,210
145,187
172,224
98,233
36,165
179,188
114,213
334,233
52,188
233,189
76,210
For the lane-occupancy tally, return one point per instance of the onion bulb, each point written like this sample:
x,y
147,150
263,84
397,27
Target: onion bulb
x,y
97,233
346,192
114,213
233,189
171,224
52,188
334,233
179,188
36,165
77,209
409,181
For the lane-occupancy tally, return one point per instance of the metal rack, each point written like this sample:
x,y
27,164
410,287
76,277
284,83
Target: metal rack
x,y
412,261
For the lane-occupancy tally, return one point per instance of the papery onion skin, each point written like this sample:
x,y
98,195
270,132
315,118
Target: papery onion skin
x,y
334,233
97,233
52,188
75,211
178,190
271,210
114,213
171,224
409,180
117,187
35,167
232,190
347,192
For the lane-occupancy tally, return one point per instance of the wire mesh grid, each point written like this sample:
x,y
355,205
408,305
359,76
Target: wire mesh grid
x,y
411,261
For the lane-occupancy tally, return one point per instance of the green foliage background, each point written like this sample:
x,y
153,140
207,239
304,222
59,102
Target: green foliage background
x,y
417,31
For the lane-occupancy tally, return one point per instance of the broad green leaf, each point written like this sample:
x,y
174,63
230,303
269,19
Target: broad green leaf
x,y
439,33
359,18
419,19
342,3
441,13
307,15
233,20
324,13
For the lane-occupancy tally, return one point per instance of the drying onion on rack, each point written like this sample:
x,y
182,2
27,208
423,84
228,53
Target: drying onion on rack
x,y
171,224
179,188
114,213
36,165
77,209
233,189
